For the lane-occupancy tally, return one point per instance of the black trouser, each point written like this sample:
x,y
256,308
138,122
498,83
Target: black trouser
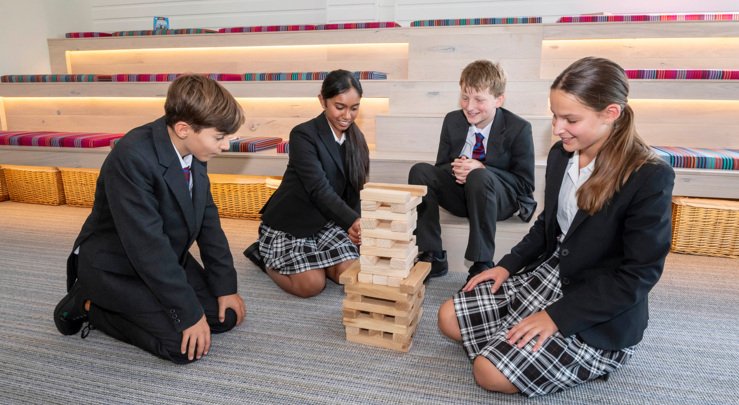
x,y
154,331
484,199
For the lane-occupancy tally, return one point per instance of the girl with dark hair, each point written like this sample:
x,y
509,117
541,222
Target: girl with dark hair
x,y
310,226
569,303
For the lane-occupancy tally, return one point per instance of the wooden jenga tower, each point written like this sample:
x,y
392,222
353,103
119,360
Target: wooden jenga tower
x,y
384,290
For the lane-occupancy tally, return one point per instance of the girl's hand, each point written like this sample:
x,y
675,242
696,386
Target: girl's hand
x,y
355,232
538,324
499,274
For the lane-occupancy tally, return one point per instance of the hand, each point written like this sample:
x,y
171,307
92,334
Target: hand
x,y
196,339
499,274
462,166
538,324
234,302
355,232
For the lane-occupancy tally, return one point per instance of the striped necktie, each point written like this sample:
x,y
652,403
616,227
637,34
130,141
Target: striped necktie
x,y
186,172
478,152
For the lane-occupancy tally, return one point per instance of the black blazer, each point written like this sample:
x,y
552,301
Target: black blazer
x,y
311,191
135,242
510,150
608,261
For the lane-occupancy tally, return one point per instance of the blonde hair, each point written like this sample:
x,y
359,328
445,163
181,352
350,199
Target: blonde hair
x,y
598,83
483,75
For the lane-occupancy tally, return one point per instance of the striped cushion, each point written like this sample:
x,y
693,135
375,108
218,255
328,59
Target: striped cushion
x,y
267,28
683,74
360,25
699,158
144,77
475,21
57,139
87,34
53,78
254,144
648,18
181,31
283,147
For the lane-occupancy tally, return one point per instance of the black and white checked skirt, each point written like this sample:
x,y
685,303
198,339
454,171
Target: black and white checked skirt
x,y
287,254
562,362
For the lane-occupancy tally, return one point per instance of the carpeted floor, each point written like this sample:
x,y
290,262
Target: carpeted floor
x,y
292,350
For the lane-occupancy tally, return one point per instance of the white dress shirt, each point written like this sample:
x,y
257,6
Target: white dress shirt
x,y
571,182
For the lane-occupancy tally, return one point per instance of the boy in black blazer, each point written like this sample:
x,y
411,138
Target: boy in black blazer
x,y
482,135
131,274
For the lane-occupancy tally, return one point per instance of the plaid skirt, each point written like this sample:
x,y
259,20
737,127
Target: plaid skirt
x,y
288,255
562,362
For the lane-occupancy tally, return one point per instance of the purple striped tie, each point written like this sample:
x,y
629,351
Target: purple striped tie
x,y
478,152
186,172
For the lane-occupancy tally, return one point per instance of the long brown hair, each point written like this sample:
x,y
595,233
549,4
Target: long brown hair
x,y
357,152
598,83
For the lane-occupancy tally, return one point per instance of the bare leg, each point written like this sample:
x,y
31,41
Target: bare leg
x,y
306,284
490,378
448,323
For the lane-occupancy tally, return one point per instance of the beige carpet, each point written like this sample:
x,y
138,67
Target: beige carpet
x,y
293,351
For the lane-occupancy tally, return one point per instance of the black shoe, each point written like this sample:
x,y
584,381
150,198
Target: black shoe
x,y
69,314
439,266
252,253
479,267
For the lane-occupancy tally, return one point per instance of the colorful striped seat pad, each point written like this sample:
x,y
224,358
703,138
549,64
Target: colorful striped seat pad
x,y
268,28
683,74
648,18
699,158
475,21
57,139
283,147
254,144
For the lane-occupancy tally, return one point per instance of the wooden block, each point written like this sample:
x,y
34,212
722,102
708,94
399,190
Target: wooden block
x,y
400,251
385,195
369,205
414,281
402,226
368,242
416,191
349,276
387,243
387,214
379,279
368,260
394,294
405,207
383,231
365,277
385,271
379,340
404,263
369,223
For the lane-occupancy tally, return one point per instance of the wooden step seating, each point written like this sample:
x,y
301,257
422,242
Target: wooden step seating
x,y
384,290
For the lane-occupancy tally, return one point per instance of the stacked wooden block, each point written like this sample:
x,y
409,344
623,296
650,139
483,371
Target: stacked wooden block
x,y
384,290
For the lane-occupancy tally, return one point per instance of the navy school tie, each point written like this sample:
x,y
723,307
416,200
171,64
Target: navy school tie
x,y
478,152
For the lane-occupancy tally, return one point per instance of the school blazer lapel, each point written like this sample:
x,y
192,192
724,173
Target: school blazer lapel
x,y
554,184
458,133
327,137
173,173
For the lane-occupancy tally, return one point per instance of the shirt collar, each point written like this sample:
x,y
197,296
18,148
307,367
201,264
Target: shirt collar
x,y
184,162
339,140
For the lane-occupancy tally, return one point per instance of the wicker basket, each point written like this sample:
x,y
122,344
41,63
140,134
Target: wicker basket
x,y
705,227
4,196
79,185
240,196
34,184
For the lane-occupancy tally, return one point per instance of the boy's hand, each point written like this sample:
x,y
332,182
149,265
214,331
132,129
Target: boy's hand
x,y
462,166
236,303
196,339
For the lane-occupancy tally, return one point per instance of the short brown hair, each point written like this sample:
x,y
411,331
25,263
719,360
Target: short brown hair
x,y
202,103
484,75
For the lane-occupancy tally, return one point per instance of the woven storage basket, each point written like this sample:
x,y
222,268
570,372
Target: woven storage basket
x,y
4,196
240,196
79,185
705,227
34,184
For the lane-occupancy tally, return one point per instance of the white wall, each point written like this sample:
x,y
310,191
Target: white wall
x,y
26,24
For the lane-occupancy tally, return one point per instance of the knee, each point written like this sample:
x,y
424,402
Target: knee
x,y
311,285
228,323
447,320
420,173
490,378
480,180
